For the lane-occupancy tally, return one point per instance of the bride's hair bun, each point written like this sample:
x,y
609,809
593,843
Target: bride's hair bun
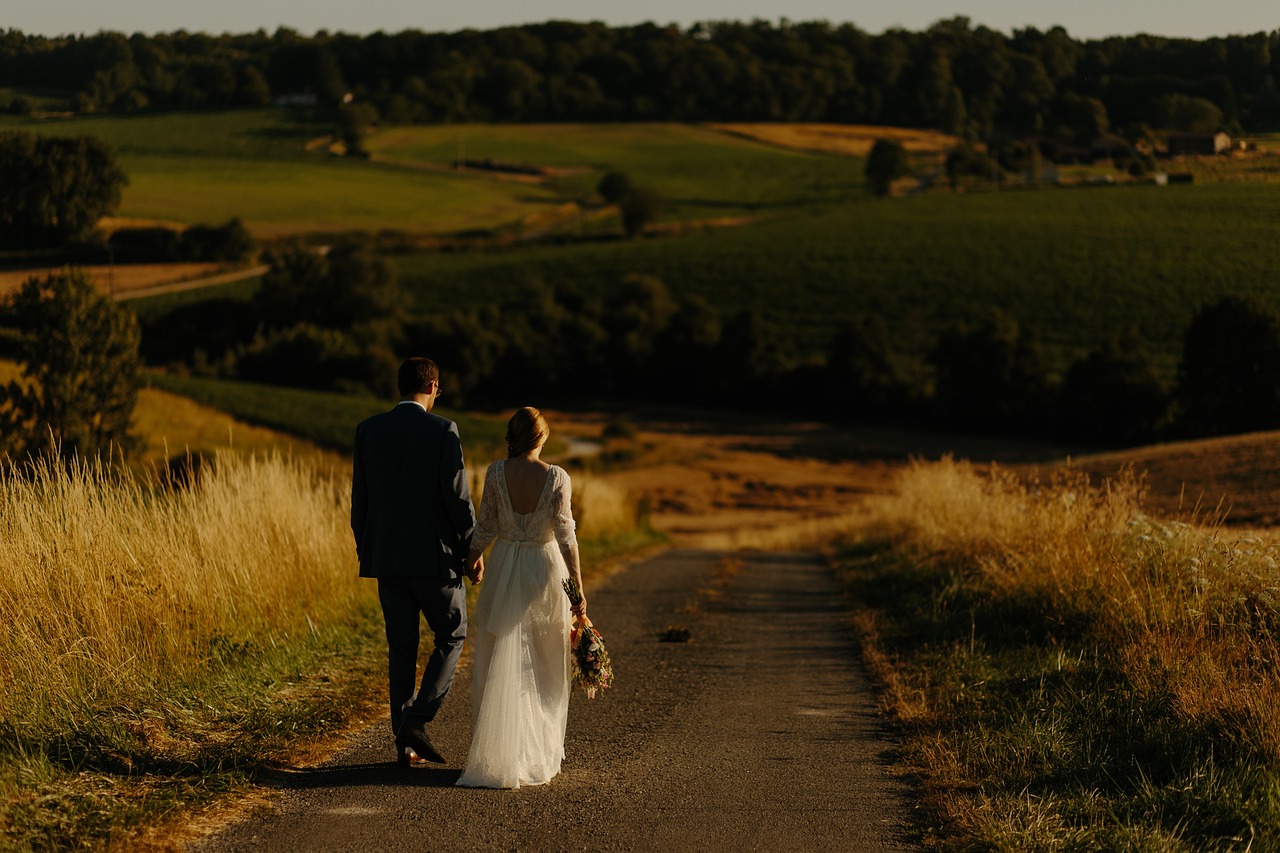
x,y
526,430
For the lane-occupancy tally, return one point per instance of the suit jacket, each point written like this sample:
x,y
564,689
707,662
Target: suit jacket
x,y
411,509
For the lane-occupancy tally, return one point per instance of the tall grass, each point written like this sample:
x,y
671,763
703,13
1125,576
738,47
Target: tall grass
x,y
164,645
112,587
1073,673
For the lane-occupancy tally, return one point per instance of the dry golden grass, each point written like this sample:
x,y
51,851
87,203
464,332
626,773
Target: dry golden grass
x,y
1191,609
120,278
110,588
1062,638
852,140
170,425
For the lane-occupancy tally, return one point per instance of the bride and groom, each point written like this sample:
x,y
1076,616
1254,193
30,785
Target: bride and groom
x,y
417,533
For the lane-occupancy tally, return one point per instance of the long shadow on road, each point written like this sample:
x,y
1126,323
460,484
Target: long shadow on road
x,y
761,732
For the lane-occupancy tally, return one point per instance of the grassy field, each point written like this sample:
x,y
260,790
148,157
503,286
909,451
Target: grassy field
x,y
699,172
1069,673
164,649
326,419
1077,265
208,167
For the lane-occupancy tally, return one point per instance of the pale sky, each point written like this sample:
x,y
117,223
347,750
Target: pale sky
x,y
1082,18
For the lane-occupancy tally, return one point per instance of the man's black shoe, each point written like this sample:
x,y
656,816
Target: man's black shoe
x,y
415,738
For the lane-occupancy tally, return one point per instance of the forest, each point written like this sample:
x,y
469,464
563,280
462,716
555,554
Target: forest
x,y
955,76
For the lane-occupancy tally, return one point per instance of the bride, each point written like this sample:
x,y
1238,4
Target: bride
x,y
520,678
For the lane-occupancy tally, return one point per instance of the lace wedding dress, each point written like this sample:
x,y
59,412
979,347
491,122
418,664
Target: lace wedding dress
x,y
520,675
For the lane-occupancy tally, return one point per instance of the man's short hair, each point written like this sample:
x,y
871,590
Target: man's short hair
x,y
416,375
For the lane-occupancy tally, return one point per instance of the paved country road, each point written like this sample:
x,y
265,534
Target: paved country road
x,y
759,734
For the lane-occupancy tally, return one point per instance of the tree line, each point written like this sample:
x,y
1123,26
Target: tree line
x,y
953,76
338,321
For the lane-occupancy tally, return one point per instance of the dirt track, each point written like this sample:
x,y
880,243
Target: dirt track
x,y
761,734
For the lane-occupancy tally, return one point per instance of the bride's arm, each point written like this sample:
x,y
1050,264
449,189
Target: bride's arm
x,y
567,537
486,527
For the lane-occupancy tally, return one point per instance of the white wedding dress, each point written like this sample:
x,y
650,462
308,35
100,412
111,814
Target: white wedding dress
x,y
520,675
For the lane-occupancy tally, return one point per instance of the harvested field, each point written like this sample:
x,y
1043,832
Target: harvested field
x,y
851,140
118,279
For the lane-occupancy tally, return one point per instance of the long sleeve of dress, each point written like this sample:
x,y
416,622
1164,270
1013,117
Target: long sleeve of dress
x,y
487,519
562,510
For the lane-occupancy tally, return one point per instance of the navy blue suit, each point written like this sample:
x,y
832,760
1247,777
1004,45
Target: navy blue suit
x,y
412,516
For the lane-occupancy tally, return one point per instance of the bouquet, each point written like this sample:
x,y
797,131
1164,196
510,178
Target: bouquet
x,y
592,670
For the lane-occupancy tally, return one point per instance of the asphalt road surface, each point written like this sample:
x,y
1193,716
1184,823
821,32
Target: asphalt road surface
x,y
760,733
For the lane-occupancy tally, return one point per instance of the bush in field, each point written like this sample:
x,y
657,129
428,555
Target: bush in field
x,y
638,208
230,242
199,334
354,121
1229,378
1114,396
54,189
613,187
79,354
966,161
306,356
635,313
156,244
350,288
886,162
862,380
687,352
989,375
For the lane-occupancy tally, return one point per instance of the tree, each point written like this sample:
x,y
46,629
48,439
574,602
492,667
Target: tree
x,y
354,121
1113,395
1229,378
1185,113
638,208
886,163
613,187
54,189
989,376
350,287
79,354
967,161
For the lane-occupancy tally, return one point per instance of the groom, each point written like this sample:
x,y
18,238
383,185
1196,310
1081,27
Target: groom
x,y
412,516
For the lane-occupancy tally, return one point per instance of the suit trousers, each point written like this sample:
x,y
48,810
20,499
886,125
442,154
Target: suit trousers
x,y
444,604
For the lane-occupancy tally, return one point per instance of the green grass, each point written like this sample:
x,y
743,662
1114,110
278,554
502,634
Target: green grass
x,y
698,172
1067,673
156,759
1076,265
210,166
156,307
328,419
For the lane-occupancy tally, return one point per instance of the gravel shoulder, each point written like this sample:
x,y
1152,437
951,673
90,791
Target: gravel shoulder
x,y
761,733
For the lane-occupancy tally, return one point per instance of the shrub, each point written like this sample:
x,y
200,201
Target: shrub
x,y
1229,378
613,187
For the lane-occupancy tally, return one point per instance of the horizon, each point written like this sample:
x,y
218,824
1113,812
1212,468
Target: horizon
x,y
1086,21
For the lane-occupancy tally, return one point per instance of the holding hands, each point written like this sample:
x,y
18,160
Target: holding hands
x,y
475,572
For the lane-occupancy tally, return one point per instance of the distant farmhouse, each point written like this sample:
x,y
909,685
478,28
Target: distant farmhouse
x,y
1198,143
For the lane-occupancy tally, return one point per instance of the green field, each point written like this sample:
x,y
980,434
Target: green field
x,y
1077,265
325,418
208,167
700,173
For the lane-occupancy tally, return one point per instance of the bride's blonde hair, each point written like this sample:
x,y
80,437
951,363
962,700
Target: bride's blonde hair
x,y
525,431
